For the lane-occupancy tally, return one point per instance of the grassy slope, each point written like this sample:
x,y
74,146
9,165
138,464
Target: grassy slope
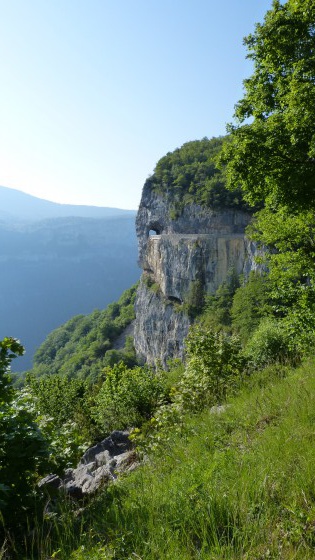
x,y
240,484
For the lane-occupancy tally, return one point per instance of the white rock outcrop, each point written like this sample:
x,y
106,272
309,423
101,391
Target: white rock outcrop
x,y
200,244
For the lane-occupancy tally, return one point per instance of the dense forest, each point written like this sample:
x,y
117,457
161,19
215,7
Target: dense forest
x,y
227,435
190,174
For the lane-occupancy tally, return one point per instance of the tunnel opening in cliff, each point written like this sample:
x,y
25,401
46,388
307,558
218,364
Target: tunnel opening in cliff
x,y
154,229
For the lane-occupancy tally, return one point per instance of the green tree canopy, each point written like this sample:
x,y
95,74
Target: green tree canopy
x,y
271,156
190,175
271,153
23,450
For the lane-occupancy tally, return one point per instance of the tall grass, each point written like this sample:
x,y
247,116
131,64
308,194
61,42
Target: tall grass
x,y
235,485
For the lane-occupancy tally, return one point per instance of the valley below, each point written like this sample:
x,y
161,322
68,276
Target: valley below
x,y
55,268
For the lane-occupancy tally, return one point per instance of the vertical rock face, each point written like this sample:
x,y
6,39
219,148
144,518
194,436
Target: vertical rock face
x,y
174,252
160,329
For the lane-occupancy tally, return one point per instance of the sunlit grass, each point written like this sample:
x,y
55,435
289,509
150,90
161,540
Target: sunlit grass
x,y
236,485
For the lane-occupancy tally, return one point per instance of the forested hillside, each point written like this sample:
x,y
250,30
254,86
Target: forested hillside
x,y
83,346
225,438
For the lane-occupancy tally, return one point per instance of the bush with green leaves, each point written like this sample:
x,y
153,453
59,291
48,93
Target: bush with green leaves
x,y
195,299
127,397
63,415
127,355
57,396
272,343
215,367
214,364
217,309
251,302
23,449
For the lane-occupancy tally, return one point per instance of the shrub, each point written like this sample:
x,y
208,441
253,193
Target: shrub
x,y
195,299
272,343
127,397
214,365
217,309
63,416
23,450
251,302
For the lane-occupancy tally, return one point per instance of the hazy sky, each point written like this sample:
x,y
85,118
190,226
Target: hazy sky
x,y
94,92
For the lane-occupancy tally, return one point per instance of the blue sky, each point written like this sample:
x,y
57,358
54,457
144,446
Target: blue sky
x,y
94,92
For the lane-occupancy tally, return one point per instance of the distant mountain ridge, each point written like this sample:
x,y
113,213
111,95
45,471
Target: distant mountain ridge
x,y
20,205
55,266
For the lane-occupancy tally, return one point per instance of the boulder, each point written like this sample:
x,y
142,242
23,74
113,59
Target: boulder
x,y
99,465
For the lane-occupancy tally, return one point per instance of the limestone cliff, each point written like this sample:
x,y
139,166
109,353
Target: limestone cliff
x,y
174,252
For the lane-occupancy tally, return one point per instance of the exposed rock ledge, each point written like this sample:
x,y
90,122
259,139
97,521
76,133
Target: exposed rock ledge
x,y
201,244
99,465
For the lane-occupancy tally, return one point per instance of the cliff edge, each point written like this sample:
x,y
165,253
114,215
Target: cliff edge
x,y
175,252
184,246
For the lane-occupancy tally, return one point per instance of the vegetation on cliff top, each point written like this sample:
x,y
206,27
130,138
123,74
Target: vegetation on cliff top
x,y
189,175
